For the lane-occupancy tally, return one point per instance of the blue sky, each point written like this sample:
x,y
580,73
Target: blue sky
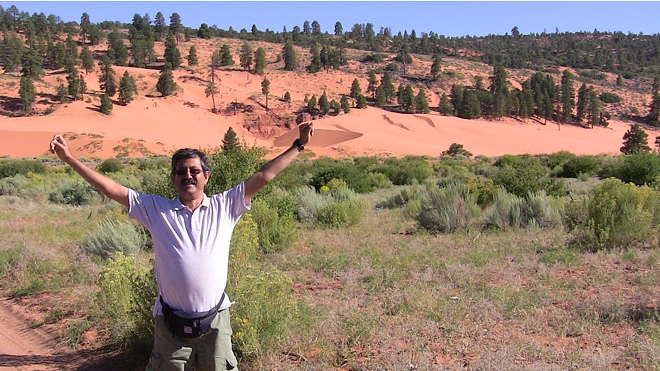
x,y
448,18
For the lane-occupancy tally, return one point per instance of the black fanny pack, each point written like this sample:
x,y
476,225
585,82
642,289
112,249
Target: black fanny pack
x,y
187,325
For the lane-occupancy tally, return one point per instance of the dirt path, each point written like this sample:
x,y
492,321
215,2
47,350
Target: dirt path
x,y
24,348
31,349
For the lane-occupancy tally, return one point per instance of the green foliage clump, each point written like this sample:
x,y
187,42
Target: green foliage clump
x,y
111,165
12,167
309,202
127,294
522,175
340,214
511,211
265,306
639,168
324,170
275,232
447,209
403,171
75,193
579,165
111,237
608,97
615,215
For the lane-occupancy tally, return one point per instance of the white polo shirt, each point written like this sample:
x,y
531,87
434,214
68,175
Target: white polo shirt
x,y
191,247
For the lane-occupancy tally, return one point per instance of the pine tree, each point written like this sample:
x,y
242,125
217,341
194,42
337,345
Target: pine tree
x,y
289,57
315,64
245,57
373,84
421,102
265,89
117,51
361,101
225,56
653,117
355,89
74,84
408,99
27,93
166,85
260,61
582,103
287,97
567,92
127,88
311,104
192,56
12,50
107,78
500,91
87,59
106,104
172,54
31,64
387,86
436,66
635,140
230,140
324,104
446,108
593,108
85,27
343,102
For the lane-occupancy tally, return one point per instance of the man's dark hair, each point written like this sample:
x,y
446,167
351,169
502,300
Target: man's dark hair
x,y
186,153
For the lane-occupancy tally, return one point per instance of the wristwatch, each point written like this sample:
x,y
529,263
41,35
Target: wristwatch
x,y
296,143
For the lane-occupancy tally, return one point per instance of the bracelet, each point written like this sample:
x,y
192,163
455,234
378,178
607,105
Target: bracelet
x,y
296,143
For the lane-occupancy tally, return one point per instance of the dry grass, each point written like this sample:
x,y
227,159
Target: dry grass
x,y
381,299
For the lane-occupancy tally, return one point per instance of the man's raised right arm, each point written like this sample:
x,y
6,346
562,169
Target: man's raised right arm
x,y
102,183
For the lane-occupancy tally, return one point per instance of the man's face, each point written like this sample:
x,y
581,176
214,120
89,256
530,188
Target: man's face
x,y
189,178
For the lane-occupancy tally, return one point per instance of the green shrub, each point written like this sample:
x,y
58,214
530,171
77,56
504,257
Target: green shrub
x,y
608,97
511,211
265,306
447,209
373,57
639,168
578,165
110,237
309,202
11,167
74,192
275,232
111,165
403,171
324,170
615,215
522,175
413,192
505,212
556,159
12,186
340,214
127,294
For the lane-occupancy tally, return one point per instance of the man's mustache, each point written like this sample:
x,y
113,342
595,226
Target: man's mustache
x,y
188,181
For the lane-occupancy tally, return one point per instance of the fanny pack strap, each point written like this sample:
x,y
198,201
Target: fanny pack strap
x,y
168,309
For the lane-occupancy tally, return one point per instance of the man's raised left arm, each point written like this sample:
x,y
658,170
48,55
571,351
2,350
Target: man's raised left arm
x,y
275,166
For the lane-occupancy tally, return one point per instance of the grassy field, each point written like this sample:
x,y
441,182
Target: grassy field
x,y
379,294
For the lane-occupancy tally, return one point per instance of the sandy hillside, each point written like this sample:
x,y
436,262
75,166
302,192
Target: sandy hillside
x,y
155,125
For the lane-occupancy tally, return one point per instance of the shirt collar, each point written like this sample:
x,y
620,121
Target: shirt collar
x,y
178,205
